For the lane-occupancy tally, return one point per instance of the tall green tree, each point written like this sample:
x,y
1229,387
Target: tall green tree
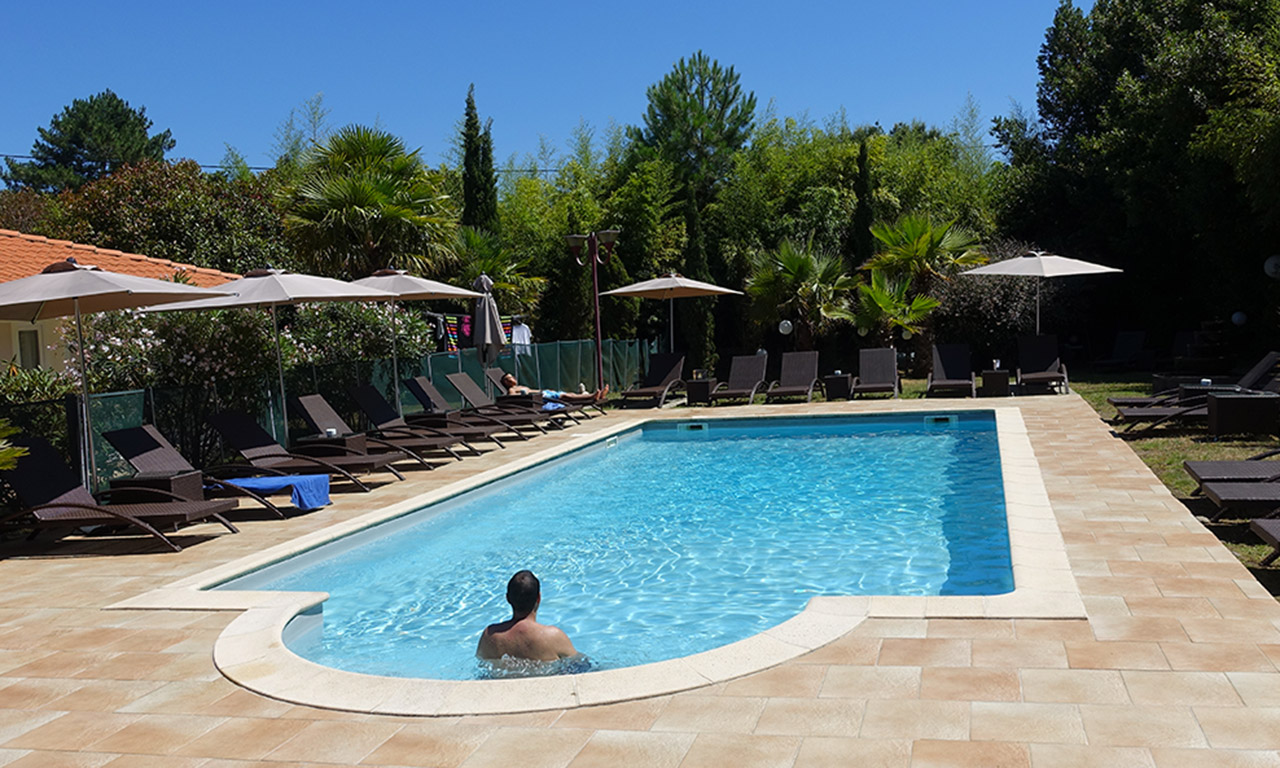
x,y
365,202
797,283
479,186
88,140
697,119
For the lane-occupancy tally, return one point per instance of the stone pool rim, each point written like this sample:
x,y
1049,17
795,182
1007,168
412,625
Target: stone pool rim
x,y
251,651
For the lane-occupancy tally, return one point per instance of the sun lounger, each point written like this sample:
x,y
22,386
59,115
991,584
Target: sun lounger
x,y
1040,365
663,377
1244,499
246,437
877,372
798,377
746,379
160,465
952,371
439,411
1269,532
383,416
53,499
1252,469
494,375
327,424
1257,377
512,414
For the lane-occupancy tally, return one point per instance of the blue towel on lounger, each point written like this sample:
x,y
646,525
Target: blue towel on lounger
x,y
309,491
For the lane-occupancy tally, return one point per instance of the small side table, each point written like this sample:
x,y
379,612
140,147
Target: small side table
x,y
698,391
1240,414
838,386
994,384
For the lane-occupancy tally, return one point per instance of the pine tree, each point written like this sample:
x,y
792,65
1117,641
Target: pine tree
x,y
479,185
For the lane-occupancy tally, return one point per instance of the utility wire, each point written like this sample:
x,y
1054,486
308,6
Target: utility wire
x,y
269,167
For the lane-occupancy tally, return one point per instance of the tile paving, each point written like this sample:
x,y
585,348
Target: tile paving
x,y
1175,666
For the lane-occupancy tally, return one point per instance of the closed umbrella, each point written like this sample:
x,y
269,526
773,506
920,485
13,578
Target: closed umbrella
x,y
487,335
271,288
670,287
407,287
1040,264
67,288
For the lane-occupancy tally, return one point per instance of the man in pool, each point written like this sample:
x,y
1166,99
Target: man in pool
x,y
521,636
514,387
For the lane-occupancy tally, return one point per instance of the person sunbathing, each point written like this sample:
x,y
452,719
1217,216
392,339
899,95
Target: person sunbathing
x,y
521,636
514,387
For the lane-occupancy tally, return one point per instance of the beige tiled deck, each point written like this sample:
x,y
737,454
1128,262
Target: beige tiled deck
x,y
1175,666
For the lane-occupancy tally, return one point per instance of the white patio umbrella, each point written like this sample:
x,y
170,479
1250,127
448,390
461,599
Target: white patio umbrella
x,y
1040,264
67,288
271,288
670,287
407,287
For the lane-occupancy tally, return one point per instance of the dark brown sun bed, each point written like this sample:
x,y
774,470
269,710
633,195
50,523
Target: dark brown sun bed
x,y
798,377
1243,499
54,500
440,412
160,465
1040,365
1269,532
665,375
1256,377
246,437
383,416
327,424
494,375
952,371
510,413
746,379
877,372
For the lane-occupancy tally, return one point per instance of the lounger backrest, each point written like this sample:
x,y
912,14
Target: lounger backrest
x,y
799,369
952,362
664,368
246,436
495,375
319,415
381,414
425,392
43,477
878,366
746,371
469,390
147,450
1038,354
1260,373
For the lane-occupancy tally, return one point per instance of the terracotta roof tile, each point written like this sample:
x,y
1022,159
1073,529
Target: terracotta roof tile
x,y
25,255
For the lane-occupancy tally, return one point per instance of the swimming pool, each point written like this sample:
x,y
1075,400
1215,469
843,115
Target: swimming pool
x,y
669,540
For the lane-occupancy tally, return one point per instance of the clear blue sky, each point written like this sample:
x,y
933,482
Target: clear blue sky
x,y
228,72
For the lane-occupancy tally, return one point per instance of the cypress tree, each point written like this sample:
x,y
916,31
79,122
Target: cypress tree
x,y
479,186
862,214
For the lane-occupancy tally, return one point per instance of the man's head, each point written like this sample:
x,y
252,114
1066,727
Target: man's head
x,y
509,381
523,592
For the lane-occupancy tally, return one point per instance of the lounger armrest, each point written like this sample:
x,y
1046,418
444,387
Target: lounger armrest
x,y
410,431
323,450
239,470
1264,455
105,494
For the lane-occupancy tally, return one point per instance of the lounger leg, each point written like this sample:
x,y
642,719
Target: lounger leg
x,y
226,522
1271,558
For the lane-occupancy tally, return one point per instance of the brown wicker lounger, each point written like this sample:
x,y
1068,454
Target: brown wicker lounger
x,y
160,465
1243,499
952,371
798,377
384,417
246,437
877,372
746,379
321,417
1252,469
494,375
510,413
54,499
1256,377
1040,365
662,378
1269,532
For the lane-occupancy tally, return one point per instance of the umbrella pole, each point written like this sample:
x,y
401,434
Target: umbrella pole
x,y
284,406
395,363
1038,281
88,466
671,325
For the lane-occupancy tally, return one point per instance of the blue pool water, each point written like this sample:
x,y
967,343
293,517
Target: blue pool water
x,y
669,540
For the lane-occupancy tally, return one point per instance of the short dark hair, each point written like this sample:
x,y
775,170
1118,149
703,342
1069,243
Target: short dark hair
x,y
523,592
511,376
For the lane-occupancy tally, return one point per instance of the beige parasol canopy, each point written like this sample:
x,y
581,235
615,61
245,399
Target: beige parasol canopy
x,y
1040,264
670,287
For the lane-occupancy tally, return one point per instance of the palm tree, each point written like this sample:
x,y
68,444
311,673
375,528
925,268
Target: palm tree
x,y
808,287
363,203
917,248
480,252
885,305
